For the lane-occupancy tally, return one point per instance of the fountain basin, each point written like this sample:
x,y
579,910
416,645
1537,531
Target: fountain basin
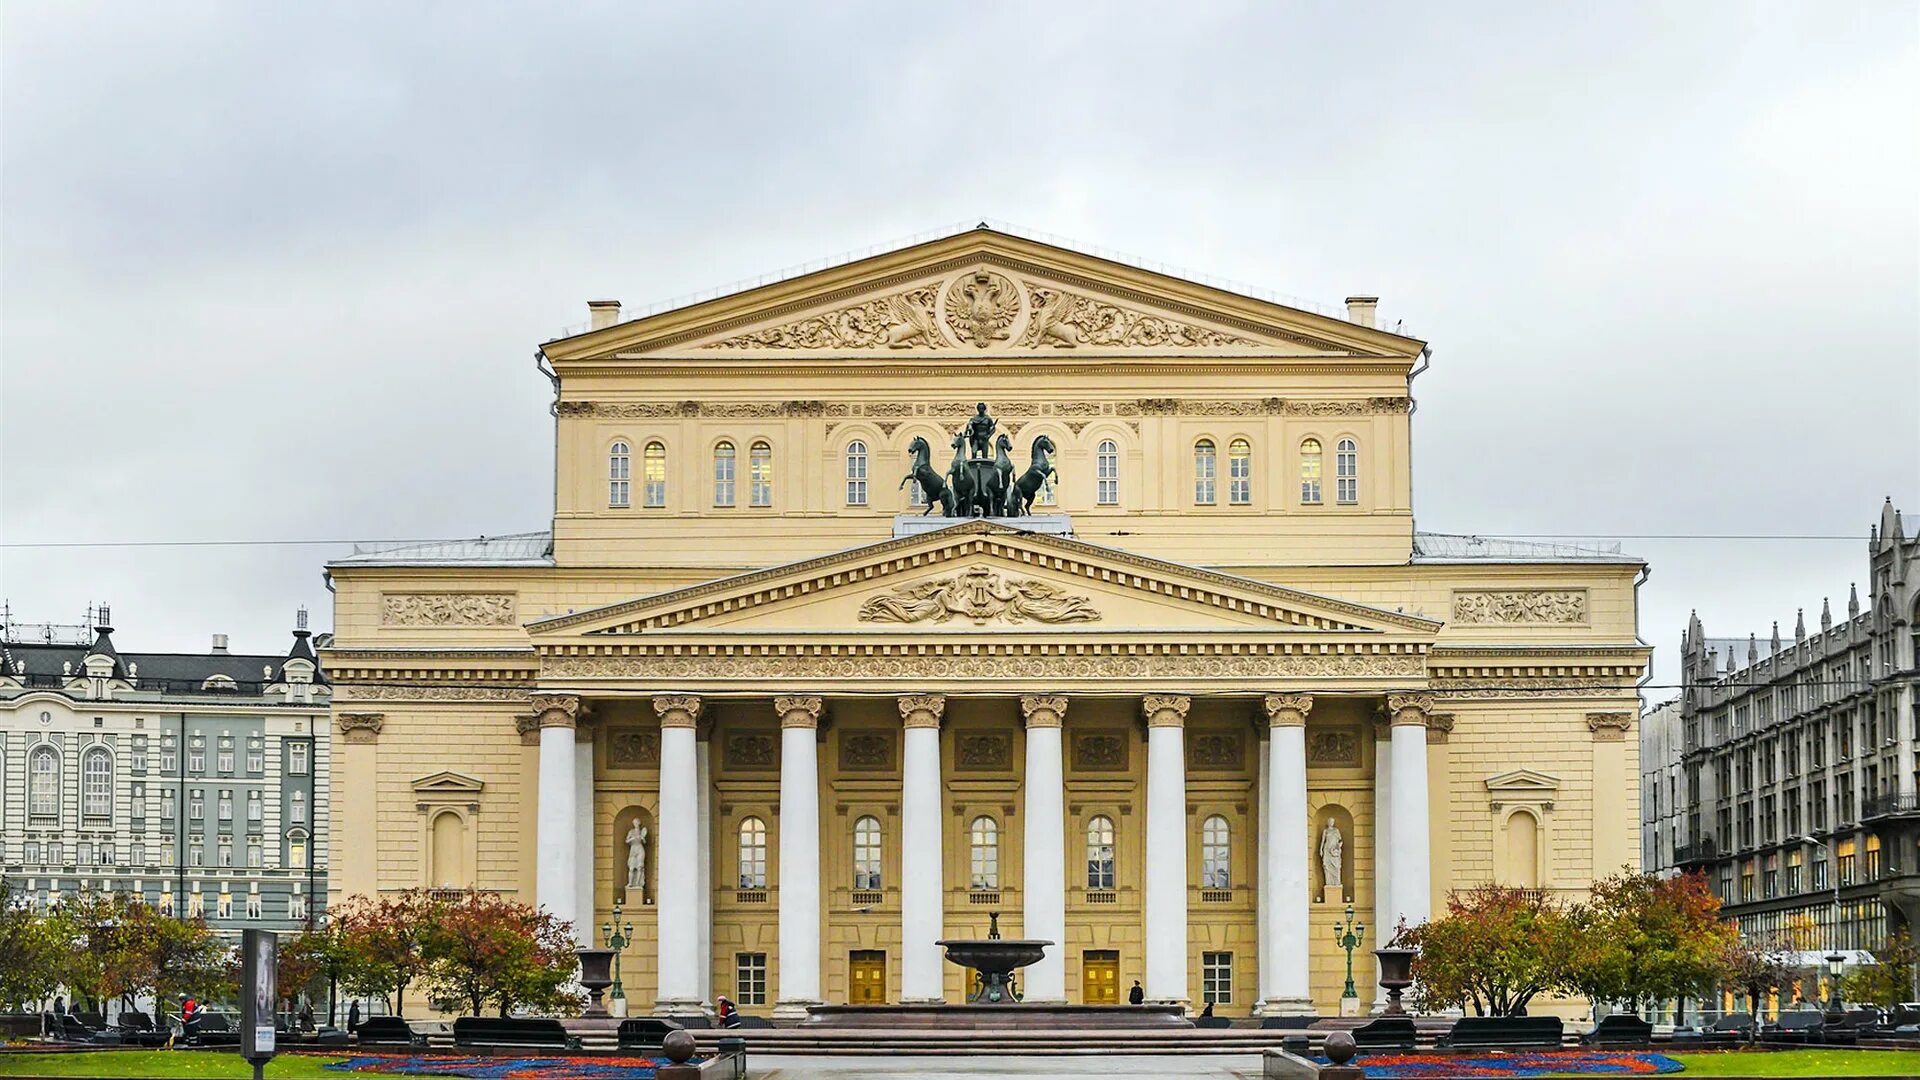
x,y
996,959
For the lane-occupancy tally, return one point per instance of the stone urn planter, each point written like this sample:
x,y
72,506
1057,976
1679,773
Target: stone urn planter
x,y
1396,974
596,974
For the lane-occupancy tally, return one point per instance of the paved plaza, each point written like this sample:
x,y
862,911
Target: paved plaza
x,y
1036,1067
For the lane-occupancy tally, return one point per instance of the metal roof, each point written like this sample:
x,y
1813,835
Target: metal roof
x,y
1454,547
514,549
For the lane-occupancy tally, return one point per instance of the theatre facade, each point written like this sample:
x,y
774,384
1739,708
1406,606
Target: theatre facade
x,y
984,576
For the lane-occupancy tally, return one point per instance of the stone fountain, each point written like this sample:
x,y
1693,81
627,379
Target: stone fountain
x,y
995,960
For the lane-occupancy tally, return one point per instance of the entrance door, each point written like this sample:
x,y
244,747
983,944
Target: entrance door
x,y
1100,977
867,969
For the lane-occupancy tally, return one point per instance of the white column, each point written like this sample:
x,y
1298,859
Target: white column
x,y
799,856
1383,914
583,838
922,885
554,881
676,896
1165,895
1263,940
704,842
1289,990
1044,865
1407,844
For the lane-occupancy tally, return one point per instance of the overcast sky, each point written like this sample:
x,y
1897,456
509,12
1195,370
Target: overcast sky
x,y
277,271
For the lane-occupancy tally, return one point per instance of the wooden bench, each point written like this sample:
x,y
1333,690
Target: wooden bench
x,y
389,1031
1797,1026
1478,1032
1730,1027
1386,1033
515,1033
1619,1029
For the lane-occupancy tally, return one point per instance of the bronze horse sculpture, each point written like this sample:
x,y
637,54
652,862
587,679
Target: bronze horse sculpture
x,y
931,485
1021,492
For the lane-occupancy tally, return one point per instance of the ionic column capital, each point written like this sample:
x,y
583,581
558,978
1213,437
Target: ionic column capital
x,y
922,710
1408,709
1609,726
556,710
1044,710
799,711
1287,710
1166,710
361,727
677,710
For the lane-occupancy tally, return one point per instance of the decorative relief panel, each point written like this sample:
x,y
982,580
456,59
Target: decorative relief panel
x,y
979,594
866,750
751,751
1566,607
1216,750
960,410
901,321
1333,747
1065,320
1010,666
988,751
1100,751
980,306
448,609
633,748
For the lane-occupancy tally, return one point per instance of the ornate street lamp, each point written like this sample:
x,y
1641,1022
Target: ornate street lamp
x,y
618,936
1834,962
1348,937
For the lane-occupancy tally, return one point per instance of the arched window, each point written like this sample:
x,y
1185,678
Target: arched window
x,y
1100,853
1204,472
866,853
857,473
43,786
723,474
619,475
96,786
1106,469
1523,850
654,461
984,841
753,853
1310,471
1216,854
449,856
1239,472
760,474
1346,472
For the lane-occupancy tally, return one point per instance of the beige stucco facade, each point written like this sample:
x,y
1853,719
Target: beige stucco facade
x,y
1210,577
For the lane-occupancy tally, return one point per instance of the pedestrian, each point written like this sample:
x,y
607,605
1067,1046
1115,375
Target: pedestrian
x,y
1208,1011
306,1016
353,1017
1136,996
729,1016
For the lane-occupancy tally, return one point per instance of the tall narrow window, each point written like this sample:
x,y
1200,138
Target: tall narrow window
x,y
866,853
1239,472
297,808
760,473
43,786
96,786
750,978
1310,471
1106,467
753,854
1204,472
654,461
619,475
984,840
723,474
1346,472
857,473
1216,854
297,757
1100,853
1216,978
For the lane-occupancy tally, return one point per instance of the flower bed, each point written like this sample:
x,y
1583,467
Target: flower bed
x,y
553,1067
1542,1063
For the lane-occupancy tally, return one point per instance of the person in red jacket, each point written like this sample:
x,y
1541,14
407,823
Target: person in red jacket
x,y
725,1010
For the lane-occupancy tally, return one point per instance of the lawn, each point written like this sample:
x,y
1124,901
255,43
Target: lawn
x,y
140,1064
1802,1063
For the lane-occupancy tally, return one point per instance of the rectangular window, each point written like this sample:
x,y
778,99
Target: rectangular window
x,y
168,754
750,978
86,853
226,806
256,757
226,851
297,854
225,761
297,808
137,854
196,806
137,757
297,757
1216,978
197,756
197,851
30,853
253,851
166,804
137,801
253,807
106,854
56,853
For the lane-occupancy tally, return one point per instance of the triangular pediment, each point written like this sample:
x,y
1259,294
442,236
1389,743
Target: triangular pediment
x,y
984,292
1520,783
447,782
984,576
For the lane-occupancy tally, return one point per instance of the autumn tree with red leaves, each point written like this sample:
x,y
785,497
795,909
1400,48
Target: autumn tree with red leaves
x,y
490,949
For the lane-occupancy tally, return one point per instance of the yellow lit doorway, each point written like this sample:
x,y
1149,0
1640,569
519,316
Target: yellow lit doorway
x,y
1100,977
867,969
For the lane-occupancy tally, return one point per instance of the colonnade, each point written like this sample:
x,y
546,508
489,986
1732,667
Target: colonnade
x,y
563,868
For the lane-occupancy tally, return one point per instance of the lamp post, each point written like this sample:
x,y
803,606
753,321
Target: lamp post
x,y
618,936
1834,958
1834,961
1348,937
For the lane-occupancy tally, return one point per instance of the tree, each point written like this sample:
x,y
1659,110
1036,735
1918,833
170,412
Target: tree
x,y
171,958
1644,939
1889,980
382,941
490,948
30,953
1756,969
93,929
315,952
1496,948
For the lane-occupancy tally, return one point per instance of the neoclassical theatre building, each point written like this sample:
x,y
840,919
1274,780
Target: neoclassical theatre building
x,y
1163,674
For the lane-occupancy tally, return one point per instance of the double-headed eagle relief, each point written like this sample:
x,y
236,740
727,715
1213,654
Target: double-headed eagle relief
x,y
980,481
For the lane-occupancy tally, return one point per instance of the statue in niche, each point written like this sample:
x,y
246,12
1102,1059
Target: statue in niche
x,y
1331,846
637,859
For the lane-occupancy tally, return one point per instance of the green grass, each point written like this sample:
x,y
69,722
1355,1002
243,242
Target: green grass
x,y
1823,1063
141,1064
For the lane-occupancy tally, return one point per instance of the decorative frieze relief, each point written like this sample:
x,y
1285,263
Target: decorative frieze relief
x,y
1066,320
1333,747
447,609
982,751
751,751
429,692
633,748
960,410
1100,751
731,664
979,594
1505,607
866,751
1216,751
905,320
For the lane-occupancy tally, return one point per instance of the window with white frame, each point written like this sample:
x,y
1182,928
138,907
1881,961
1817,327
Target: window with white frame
x,y
1106,470
30,853
1100,853
43,786
724,473
1239,472
226,851
137,755
984,844
253,852
297,852
96,786
137,854
196,805
753,853
1216,978
1216,854
760,474
1205,472
256,756
619,475
197,754
1346,472
857,473
1310,471
197,851
866,853
297,757
166,804
254,806
225,805
225,761
653,463
297,808
56,853
168,754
